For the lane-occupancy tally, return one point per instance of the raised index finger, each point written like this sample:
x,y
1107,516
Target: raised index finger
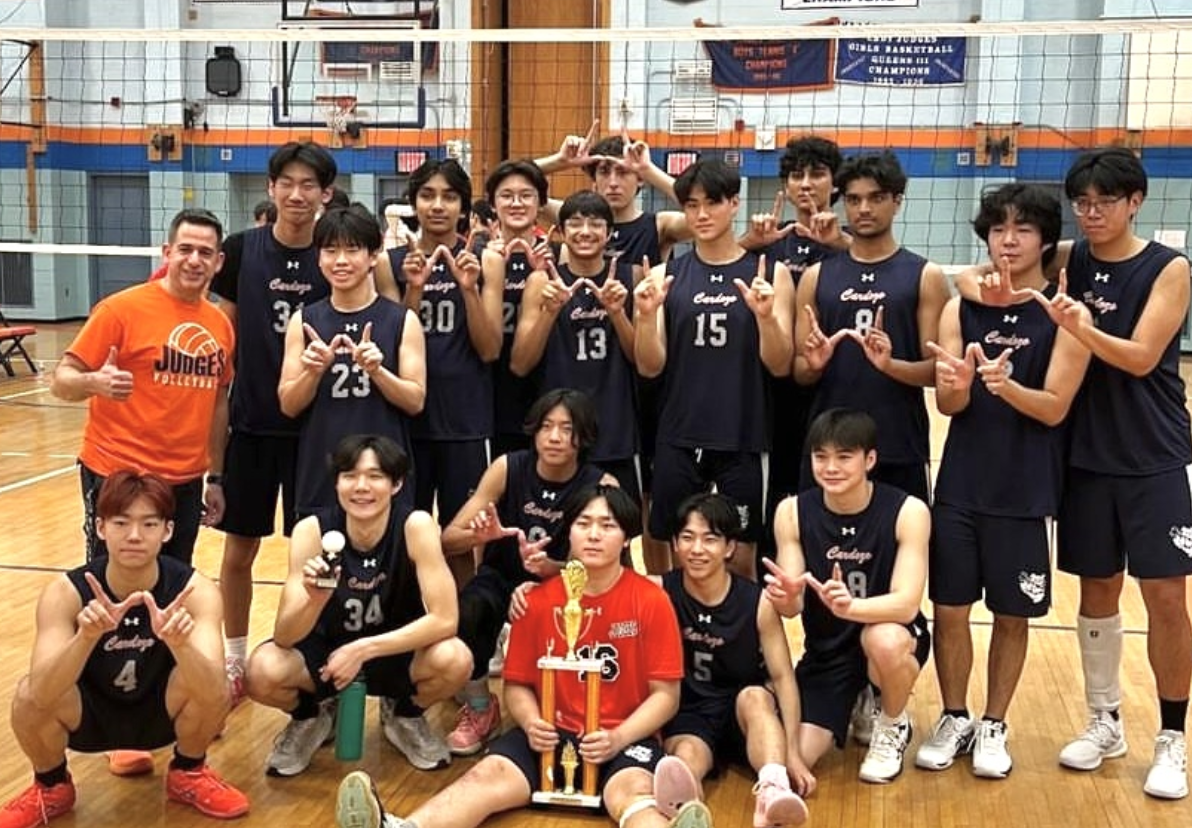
x,y
366,335
311,333
779,202
181,599
591,133
97,589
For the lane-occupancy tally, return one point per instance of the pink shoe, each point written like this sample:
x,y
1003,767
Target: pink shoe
x,y
474,727
674,785
777,807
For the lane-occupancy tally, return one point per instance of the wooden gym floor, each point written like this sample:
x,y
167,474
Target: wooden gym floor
x,y
40,514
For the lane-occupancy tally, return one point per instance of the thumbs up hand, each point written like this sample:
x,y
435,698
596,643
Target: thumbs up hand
x,y
111,381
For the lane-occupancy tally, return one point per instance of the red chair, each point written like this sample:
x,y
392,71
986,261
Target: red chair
x,y
11,347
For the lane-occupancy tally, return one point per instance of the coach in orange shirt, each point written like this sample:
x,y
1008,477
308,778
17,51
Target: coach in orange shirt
x,y
154,363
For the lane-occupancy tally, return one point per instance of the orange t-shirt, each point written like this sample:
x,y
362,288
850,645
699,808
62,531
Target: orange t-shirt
x,y
180,356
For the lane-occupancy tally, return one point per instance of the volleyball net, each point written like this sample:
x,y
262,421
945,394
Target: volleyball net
x,y
105,134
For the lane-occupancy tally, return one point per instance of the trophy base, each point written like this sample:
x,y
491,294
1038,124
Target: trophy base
x,y
326,583
558,798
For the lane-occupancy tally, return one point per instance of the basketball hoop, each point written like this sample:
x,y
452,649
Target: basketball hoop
x,y
339,111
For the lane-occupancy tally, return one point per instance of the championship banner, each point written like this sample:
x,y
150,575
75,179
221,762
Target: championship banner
x,y
851,5
902,61
771,66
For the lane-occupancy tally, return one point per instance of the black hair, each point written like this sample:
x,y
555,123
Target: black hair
x,y
390,456
882,167
587,204
339,198
624,509
718,180
455,176
1026,203
612,147
309,153
525,168
484,210
199,217
1112,171
844,428
811,152
719,512
583,416
267,209
353,224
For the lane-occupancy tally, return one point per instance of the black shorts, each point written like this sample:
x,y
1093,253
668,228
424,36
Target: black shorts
x,y
515,747
649,405
255,467
1107,523
626,472
1005,558
829,684
483,610
188,513
387,676
713,722
114,724
681,472
448,471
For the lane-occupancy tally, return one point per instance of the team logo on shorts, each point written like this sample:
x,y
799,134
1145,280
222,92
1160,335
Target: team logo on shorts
x,y
1181,537
642,754
743,516
1033,585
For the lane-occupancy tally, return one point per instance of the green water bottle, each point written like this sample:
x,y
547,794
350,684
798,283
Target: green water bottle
x,y
349,722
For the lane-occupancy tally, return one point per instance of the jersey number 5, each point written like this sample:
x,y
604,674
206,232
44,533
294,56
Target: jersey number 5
x,y
711,330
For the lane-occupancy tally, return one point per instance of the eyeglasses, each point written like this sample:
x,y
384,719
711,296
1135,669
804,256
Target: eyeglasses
x,y
1084,206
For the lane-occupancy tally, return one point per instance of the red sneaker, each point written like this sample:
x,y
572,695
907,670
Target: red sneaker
x,y
38,805
130,762
205,791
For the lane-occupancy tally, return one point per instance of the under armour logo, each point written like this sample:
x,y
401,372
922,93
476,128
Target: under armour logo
x,y
848,530
716,278
370,563
517,266
439,268
802,250
1100,277
351,326
292,265
703,619
551,496
868,277
1011,318
132,622
616,234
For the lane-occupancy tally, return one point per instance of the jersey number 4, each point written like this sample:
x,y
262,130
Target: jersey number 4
x,y
126,679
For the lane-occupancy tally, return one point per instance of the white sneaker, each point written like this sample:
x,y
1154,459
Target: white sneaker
x,y
496,664
1103,738
952,735
883,760
413,737
357,805
295,746
1168,776
991,759
864,714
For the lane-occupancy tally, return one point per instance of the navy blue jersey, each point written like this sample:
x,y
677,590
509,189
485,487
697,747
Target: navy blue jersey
x,y
1122,424
268,282
583,352
346,401
722,651
848,295
798,253
535,506
130,665
866,547
637,238
459,384
997,461
714,391
377,589
513,395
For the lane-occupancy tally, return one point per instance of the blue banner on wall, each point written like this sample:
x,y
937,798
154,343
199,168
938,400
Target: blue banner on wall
x,y
769,65
902,61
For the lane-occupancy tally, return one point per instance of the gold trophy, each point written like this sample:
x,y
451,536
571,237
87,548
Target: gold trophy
x,y
571,621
